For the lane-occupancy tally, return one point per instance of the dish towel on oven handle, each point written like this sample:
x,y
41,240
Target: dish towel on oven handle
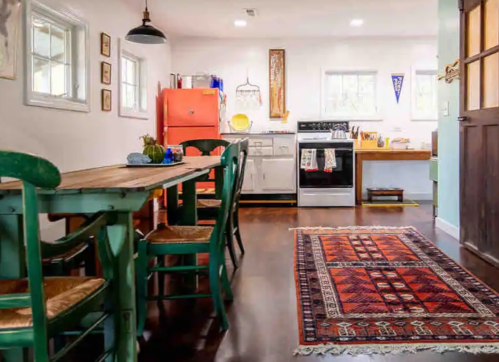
x,y
330,156
309,160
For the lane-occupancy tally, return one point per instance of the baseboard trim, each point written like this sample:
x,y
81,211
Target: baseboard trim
x,y
447,228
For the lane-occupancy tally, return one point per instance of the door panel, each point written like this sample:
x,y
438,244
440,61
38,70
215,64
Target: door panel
x,y
191,107
249,177
479,128
491,145
472,183
278,175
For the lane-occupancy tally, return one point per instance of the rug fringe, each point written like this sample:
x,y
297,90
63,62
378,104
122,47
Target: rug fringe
x,y
353,227
383,349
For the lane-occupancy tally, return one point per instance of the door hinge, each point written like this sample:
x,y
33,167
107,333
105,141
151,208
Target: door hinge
x,y
461,5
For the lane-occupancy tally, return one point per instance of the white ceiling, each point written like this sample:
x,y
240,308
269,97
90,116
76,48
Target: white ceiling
x,y
294,18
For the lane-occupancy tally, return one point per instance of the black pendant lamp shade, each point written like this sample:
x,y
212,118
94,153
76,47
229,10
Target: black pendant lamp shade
x,y
146,34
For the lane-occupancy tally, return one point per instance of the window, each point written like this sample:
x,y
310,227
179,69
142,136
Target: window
x,y
133,96
350,95
57,58
425,106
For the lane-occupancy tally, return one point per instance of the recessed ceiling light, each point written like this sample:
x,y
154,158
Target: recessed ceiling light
x,y
240,23
357,22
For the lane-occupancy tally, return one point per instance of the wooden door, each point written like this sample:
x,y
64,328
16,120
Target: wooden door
x,y
479,127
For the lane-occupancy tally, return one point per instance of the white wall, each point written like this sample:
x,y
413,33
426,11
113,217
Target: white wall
x,y
74,140
232,59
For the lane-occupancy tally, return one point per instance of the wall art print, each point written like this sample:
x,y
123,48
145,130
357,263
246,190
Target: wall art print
x,y
277,82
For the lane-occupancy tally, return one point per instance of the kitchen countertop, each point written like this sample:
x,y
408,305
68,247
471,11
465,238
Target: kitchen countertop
x,y
256,134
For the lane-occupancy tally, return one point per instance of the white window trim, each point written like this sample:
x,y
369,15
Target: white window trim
x,y
356,118
414,113
142,84
32,98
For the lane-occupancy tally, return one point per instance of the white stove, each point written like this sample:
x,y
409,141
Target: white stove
x,y
320,188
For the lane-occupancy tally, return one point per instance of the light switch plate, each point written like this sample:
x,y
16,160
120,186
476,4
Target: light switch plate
x,y
445,109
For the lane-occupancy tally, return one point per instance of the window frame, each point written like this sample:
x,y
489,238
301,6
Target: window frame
x,y
64,18
141,84
415,115
326,72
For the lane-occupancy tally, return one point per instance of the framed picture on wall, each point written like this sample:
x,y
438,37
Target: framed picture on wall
x,y
106,100
105,70
277,83
105,44
10,22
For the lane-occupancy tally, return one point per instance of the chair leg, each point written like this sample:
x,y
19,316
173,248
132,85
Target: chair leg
x,y
216,291
161,278
236,230
226,284
229,236
141,272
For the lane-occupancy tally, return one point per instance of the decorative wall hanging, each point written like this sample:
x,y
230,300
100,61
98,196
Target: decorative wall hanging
x,y
398,82
277,82
10,19
248,96
451,72
105,44
105,73
106,100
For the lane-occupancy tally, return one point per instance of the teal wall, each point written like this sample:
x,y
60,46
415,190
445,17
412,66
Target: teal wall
x,y
448,126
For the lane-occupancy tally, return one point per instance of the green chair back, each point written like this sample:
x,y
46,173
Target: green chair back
x,y
206,146
33,172
37,172
243,149
230,164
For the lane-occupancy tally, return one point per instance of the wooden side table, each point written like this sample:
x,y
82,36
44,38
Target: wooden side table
x,y
375,192
383,154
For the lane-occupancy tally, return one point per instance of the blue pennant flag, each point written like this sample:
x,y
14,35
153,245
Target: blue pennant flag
x,y
398,82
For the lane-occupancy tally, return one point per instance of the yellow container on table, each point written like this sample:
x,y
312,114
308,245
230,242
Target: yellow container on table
x,y
369,140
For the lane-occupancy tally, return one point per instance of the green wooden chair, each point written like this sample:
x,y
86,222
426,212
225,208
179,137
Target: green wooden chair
x,y
35,309
185,240
210,209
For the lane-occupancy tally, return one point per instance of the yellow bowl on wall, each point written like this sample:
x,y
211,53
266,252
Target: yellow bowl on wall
x,y
240,122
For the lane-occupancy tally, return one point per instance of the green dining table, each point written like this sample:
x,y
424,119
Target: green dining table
x,y
118,189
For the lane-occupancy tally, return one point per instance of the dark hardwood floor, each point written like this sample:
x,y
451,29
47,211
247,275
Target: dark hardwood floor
x,y
263,322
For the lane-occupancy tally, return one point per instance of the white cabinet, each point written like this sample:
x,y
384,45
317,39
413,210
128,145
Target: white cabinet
x,y
249,177
271,165
279,175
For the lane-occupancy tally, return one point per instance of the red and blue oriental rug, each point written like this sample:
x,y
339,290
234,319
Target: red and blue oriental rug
x,y
367,290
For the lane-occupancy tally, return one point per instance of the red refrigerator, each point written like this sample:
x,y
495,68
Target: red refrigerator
x,y
191,114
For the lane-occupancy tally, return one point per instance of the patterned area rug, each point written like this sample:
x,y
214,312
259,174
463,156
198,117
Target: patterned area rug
x,y
379,290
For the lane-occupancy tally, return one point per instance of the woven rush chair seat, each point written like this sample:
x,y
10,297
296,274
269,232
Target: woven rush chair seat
x,y
208,203
180,234
68,255
60,295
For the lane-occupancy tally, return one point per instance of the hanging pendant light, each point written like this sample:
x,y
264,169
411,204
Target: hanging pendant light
x,y
146,34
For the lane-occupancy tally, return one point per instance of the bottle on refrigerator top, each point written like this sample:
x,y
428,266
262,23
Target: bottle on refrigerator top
x,y
179,81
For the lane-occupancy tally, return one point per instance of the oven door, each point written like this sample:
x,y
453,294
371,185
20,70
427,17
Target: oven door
x,y
342,175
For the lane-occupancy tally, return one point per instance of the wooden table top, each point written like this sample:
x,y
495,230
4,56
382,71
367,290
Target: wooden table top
x,y
120,178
